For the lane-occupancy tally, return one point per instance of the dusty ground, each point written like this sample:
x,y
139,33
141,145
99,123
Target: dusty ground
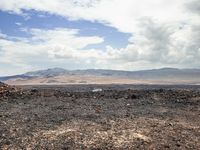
x,y
119,117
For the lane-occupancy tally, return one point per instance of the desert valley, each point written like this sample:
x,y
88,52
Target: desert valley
x,y
89,115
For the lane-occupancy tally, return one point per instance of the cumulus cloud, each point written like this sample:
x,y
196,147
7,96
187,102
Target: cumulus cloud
x,y
43,47
194,6
164,33
121,14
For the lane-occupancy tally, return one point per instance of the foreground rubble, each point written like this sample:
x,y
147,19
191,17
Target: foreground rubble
x,y
8,91
111,118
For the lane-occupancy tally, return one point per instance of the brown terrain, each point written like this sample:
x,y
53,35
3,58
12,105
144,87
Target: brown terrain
x,y
59,76
72,79
98,117
91,79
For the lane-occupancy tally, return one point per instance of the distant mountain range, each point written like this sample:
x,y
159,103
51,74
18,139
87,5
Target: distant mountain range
x,y
100,76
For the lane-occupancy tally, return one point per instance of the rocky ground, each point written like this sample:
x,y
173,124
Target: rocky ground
x,y
100,117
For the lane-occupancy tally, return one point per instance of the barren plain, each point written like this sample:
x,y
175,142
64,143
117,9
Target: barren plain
x,y
100,117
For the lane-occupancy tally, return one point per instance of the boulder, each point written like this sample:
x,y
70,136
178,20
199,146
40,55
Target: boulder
x,y
3,87
2,84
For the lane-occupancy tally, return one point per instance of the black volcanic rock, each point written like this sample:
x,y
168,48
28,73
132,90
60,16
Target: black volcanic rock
x,y
2,84
9,91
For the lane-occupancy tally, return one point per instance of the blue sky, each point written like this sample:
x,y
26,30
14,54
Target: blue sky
x,y
12,24
84,34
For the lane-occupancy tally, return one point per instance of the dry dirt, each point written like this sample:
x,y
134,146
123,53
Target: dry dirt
x,y
92,79
119,117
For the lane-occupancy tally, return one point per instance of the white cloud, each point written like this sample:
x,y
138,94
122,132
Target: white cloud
x,y
18,23
121,14
164,33
45,47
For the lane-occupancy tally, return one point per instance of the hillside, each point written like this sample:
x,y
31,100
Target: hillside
x,y
99,76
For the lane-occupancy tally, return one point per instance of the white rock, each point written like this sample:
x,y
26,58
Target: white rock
x,y
97,90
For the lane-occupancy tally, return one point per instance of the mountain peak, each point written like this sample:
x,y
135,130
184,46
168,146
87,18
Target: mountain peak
x,y
168,68
55,69
47,72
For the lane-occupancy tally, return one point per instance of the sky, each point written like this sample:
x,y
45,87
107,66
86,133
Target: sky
x,y
98,34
